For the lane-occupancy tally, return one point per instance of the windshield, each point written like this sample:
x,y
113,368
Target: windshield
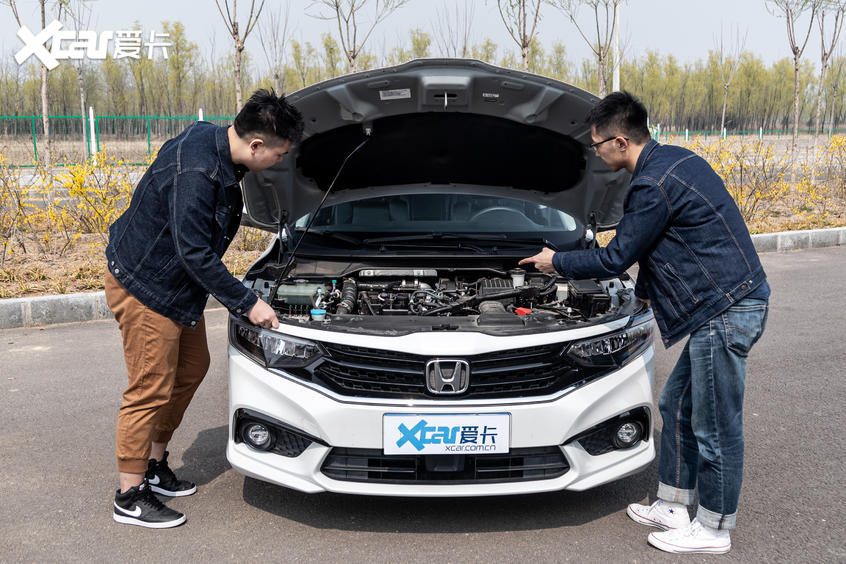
x,y
443,213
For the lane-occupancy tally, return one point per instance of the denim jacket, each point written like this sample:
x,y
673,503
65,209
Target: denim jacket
x,y
694,253
166,248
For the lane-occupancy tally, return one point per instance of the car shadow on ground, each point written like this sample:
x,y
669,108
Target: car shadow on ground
x,y
460,514
205,459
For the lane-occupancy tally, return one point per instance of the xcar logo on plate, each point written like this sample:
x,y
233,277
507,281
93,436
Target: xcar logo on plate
x,y
446,433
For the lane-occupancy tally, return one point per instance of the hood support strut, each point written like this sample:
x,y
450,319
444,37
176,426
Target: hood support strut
x,y
368,131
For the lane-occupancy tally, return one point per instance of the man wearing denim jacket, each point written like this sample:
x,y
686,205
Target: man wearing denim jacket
x,y
698,269
164,260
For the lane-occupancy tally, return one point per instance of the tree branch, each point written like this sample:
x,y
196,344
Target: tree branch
x,y
227,21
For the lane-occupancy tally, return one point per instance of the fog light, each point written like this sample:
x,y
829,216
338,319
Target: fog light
x,y
257,436
627,434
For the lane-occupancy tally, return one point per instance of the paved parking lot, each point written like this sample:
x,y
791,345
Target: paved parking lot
x,y
60,388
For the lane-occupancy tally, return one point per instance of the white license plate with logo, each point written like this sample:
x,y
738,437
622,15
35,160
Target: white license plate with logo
x,y
459,433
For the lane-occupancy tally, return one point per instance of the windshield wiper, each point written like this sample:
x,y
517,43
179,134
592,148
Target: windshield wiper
x,y
544,242
458,236
432,236
333,235
436,245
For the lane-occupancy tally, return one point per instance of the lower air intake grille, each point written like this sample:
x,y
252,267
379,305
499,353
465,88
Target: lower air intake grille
x,y
289,444
519,465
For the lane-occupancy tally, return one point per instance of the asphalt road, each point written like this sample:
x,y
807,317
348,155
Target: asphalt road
x,y
60,388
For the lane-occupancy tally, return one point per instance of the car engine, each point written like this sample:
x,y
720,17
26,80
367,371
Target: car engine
x,y
430,292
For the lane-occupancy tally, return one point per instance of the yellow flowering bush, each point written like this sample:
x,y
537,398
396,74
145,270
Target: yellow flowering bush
x,y
98,193
833,165
755,174
13,208
772,191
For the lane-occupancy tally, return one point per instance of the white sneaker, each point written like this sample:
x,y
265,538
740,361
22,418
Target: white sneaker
x,y
696,537
662,514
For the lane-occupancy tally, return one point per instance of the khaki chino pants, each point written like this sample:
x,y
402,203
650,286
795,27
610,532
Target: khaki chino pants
x,y
165,362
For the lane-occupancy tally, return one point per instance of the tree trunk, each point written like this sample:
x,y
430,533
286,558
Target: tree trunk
x,y
793,145
524,52
45,110
795,107
239,97
81,84
615,32
603,84
45,116
142,98
820,89
725,101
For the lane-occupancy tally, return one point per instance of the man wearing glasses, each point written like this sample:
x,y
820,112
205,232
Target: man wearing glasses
x,y
698,269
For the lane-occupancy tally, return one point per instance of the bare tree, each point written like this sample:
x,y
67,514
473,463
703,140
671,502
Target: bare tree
x,y
838,8
230,18
80,15
347,14
605,25
729,62
45,106
836,70
273,34
304,61
452,30
791,11
521,23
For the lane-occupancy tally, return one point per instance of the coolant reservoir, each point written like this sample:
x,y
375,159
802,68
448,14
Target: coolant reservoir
x,y
299,292
560,292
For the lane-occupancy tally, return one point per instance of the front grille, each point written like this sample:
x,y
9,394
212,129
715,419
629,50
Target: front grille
x,y
366,372
519,465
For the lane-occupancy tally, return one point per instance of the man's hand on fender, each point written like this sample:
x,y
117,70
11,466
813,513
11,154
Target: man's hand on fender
x,y
542,261
263,315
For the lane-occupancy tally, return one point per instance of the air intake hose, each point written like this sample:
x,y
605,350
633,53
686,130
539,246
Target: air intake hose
x,y
349,291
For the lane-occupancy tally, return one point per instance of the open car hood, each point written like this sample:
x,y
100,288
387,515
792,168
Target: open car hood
x,y
440,125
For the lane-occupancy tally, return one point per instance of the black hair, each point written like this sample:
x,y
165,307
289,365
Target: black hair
x,y
269,117
620,113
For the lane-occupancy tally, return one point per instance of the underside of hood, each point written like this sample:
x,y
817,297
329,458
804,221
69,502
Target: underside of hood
x,y
433,124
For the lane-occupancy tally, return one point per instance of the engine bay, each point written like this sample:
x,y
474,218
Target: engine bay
x,y
427,292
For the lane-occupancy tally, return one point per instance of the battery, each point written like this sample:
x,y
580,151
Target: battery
x,y
588,297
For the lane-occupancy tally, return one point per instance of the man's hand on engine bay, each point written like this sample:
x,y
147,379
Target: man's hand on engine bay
x,y
542,261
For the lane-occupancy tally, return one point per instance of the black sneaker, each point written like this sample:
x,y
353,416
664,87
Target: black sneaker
x,y
163,481
139,506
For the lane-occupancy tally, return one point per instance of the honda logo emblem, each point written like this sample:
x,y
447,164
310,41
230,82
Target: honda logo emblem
x,y
446,376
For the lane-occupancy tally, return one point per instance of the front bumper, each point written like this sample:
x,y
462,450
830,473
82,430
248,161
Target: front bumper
x,y
358,425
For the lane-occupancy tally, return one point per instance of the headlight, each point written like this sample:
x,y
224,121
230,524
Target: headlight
x,y
272,349
614,349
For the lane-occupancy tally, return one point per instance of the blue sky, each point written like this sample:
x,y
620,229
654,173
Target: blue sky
x,y
685,28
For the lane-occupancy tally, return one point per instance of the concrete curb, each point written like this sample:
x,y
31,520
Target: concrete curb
x,y
88,306
64,308
793,240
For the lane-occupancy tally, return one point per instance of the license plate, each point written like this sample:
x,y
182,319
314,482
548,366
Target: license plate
x,y
458,433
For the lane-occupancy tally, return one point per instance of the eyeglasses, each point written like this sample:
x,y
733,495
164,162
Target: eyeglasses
x,y
595,146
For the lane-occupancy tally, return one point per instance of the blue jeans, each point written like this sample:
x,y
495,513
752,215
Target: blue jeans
x,y
702,409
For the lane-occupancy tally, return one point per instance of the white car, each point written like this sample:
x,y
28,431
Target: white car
x,y
413,357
